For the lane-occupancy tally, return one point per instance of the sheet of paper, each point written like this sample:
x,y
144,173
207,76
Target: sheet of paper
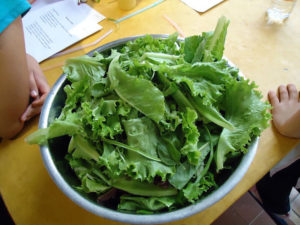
x,y
41,3
201,5
52,28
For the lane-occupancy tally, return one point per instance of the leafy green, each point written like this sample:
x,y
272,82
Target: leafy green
x,y
142,188
155,120
82,149
133,204
248,114
184,173
209,47
142,94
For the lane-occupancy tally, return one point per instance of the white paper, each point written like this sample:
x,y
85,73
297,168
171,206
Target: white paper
x,y
41,3
52,28
201,5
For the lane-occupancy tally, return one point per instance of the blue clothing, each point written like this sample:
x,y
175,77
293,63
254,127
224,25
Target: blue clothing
x,y
10,10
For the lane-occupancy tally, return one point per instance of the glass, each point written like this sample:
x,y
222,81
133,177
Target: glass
x,y
280,10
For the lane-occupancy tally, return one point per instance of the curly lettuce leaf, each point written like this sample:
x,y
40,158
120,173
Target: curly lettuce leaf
x,y
101,118
205,99
244,109
194,190
143,169
79,67
142,134
191,133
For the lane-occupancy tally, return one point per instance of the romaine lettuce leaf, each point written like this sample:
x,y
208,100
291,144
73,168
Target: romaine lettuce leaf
x,y
142,94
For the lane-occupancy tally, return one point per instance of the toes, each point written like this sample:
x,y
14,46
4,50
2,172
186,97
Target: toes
x,y
283,93
273,98
293,93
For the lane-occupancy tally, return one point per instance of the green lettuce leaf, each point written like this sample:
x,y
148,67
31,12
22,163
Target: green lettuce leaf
x,y
70,126
135,204
209,47
91,179
194,190
184,172
82,149
77,68
142,94
142,188
142,134
193,49
215,41
244,109
191,133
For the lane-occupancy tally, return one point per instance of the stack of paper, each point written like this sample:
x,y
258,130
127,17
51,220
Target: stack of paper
x,y
50,27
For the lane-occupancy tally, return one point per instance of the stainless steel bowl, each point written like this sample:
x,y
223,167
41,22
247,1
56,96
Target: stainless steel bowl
x,y
53,156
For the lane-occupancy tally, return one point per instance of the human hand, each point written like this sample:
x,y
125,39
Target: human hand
x,y
286,110
39,89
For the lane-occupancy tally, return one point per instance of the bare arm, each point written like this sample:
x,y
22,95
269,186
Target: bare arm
x,y
14,79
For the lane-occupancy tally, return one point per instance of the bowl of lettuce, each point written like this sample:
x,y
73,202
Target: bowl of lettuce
x,y
151,129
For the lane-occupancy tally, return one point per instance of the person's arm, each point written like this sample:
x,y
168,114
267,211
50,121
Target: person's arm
x,y
14,79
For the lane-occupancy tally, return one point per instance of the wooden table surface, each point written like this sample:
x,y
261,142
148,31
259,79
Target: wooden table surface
x,y
268,55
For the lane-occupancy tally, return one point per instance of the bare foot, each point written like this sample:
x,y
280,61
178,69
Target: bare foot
x,y
286,110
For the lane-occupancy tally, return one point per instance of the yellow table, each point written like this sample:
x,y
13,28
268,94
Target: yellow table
x,y
268,55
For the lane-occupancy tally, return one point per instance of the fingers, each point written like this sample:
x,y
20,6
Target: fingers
x,y
39,89
39,82
283,93
273,98
30,112
34,93
293,93
42,83
43,89
40,101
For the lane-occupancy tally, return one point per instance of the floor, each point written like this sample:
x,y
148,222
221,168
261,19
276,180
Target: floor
x,y
248,211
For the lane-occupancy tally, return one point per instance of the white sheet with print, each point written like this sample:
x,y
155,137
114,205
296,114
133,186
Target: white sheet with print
x,y
56,26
